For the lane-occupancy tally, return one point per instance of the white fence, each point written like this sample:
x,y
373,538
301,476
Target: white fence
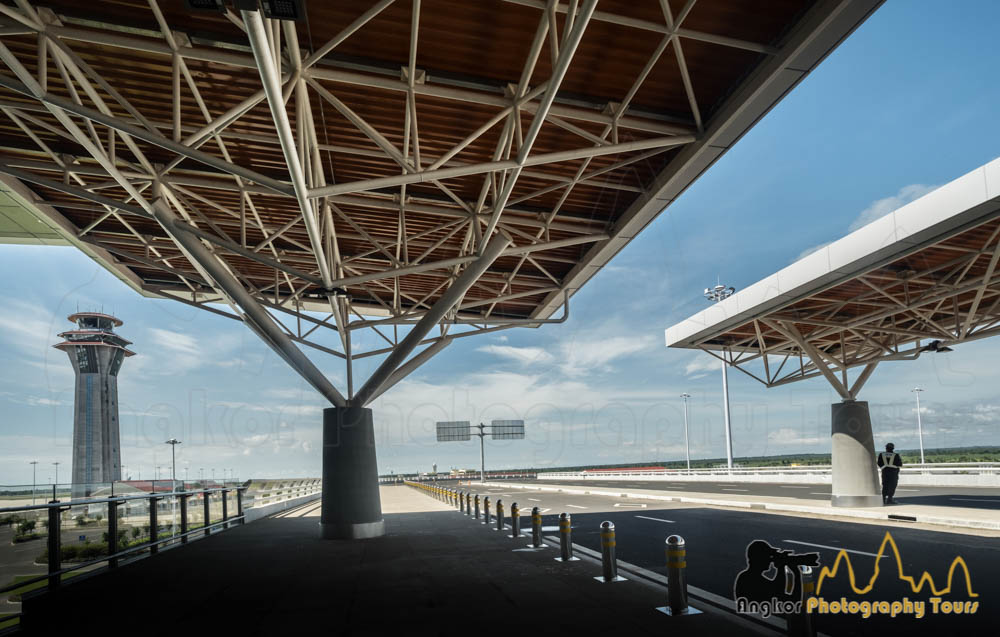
x,y
267,497
969,474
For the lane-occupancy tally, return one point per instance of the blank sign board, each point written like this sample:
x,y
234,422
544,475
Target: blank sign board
x,y
453,430
507,429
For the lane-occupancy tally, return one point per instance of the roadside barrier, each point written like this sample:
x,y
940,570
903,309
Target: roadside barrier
x,y
566,539
515,521
468,503
499,514
677,597
801,624
476,500
536,529
486,510
609,564
461,501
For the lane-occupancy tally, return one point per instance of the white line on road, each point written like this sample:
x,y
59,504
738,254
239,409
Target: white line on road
x,y
736,489
534,499
832,548
973,500
655,519
629,504
785,486
575,506
907,489
818,493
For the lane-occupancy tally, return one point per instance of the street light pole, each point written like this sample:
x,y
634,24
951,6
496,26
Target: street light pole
x,y
920,428
33,464
482,453
173,442
687,444
720,293
57,473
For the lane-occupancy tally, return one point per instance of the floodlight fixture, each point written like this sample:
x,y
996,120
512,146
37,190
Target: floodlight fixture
x,y
294,10
215,6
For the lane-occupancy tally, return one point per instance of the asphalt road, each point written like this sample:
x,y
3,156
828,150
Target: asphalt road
x,y
973,497
717,540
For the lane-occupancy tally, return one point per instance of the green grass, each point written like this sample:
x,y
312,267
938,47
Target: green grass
x,y
15,595
7,623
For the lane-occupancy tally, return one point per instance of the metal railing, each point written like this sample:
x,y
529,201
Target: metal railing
x,y
262,493
939,468
151,502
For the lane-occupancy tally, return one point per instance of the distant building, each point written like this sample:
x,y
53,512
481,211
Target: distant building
x,y
96,354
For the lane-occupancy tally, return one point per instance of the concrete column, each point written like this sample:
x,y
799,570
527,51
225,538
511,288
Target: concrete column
x,y
352,509
855,477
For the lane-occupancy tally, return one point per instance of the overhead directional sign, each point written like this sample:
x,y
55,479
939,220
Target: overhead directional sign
x,y
507,429
453,430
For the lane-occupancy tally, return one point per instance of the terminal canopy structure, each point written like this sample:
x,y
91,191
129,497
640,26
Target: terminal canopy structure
x,y
421,170
919,280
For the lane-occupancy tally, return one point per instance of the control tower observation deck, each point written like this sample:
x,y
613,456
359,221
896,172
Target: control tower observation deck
x,y
96,354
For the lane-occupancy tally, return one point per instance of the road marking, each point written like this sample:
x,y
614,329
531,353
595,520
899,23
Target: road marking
x,y
736,489
834,548
575,506
534,499
629,504
818,493
788,487
908,490
655,519
973,500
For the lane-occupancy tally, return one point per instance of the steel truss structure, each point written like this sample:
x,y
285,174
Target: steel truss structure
x,y
422,170
924,296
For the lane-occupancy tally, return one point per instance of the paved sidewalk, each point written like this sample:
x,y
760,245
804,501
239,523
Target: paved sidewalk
x,y
436,572
963,517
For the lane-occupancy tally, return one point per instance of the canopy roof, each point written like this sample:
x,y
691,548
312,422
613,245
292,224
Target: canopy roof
x,y
919,279
424,162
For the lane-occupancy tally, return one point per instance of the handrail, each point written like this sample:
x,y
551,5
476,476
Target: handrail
x,y
972,468
54,541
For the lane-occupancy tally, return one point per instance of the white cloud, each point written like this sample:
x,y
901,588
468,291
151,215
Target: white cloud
x,y
525,355
701,365
789,436
882,207
586,355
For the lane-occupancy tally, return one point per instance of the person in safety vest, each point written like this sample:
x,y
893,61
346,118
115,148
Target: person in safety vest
x,y
890,463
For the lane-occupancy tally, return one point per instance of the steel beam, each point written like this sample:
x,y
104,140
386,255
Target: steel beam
x,y
466,280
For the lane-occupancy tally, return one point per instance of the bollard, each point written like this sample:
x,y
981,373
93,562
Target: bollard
x,y
499,515
486,510
515,521
801,624
609,564
476,500
461,502
566,539
677,596
468,503
536,529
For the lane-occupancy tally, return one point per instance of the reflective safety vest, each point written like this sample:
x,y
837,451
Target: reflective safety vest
x,y
888,458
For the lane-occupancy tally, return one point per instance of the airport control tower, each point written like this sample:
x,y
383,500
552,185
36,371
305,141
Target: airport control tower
x,y
96,354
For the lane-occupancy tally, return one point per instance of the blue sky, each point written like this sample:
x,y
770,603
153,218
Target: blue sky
x,y
906,104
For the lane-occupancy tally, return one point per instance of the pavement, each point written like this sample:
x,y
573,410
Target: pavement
x,y
436,572
717,538
961,507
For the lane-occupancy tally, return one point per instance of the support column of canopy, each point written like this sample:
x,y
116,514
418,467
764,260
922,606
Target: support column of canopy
x,y
854,480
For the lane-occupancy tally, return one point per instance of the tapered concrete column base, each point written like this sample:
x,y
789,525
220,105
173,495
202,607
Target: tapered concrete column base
x,y
361,531
351,507
855,477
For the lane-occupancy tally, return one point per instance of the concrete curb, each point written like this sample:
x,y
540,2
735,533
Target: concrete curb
x,y
771,506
